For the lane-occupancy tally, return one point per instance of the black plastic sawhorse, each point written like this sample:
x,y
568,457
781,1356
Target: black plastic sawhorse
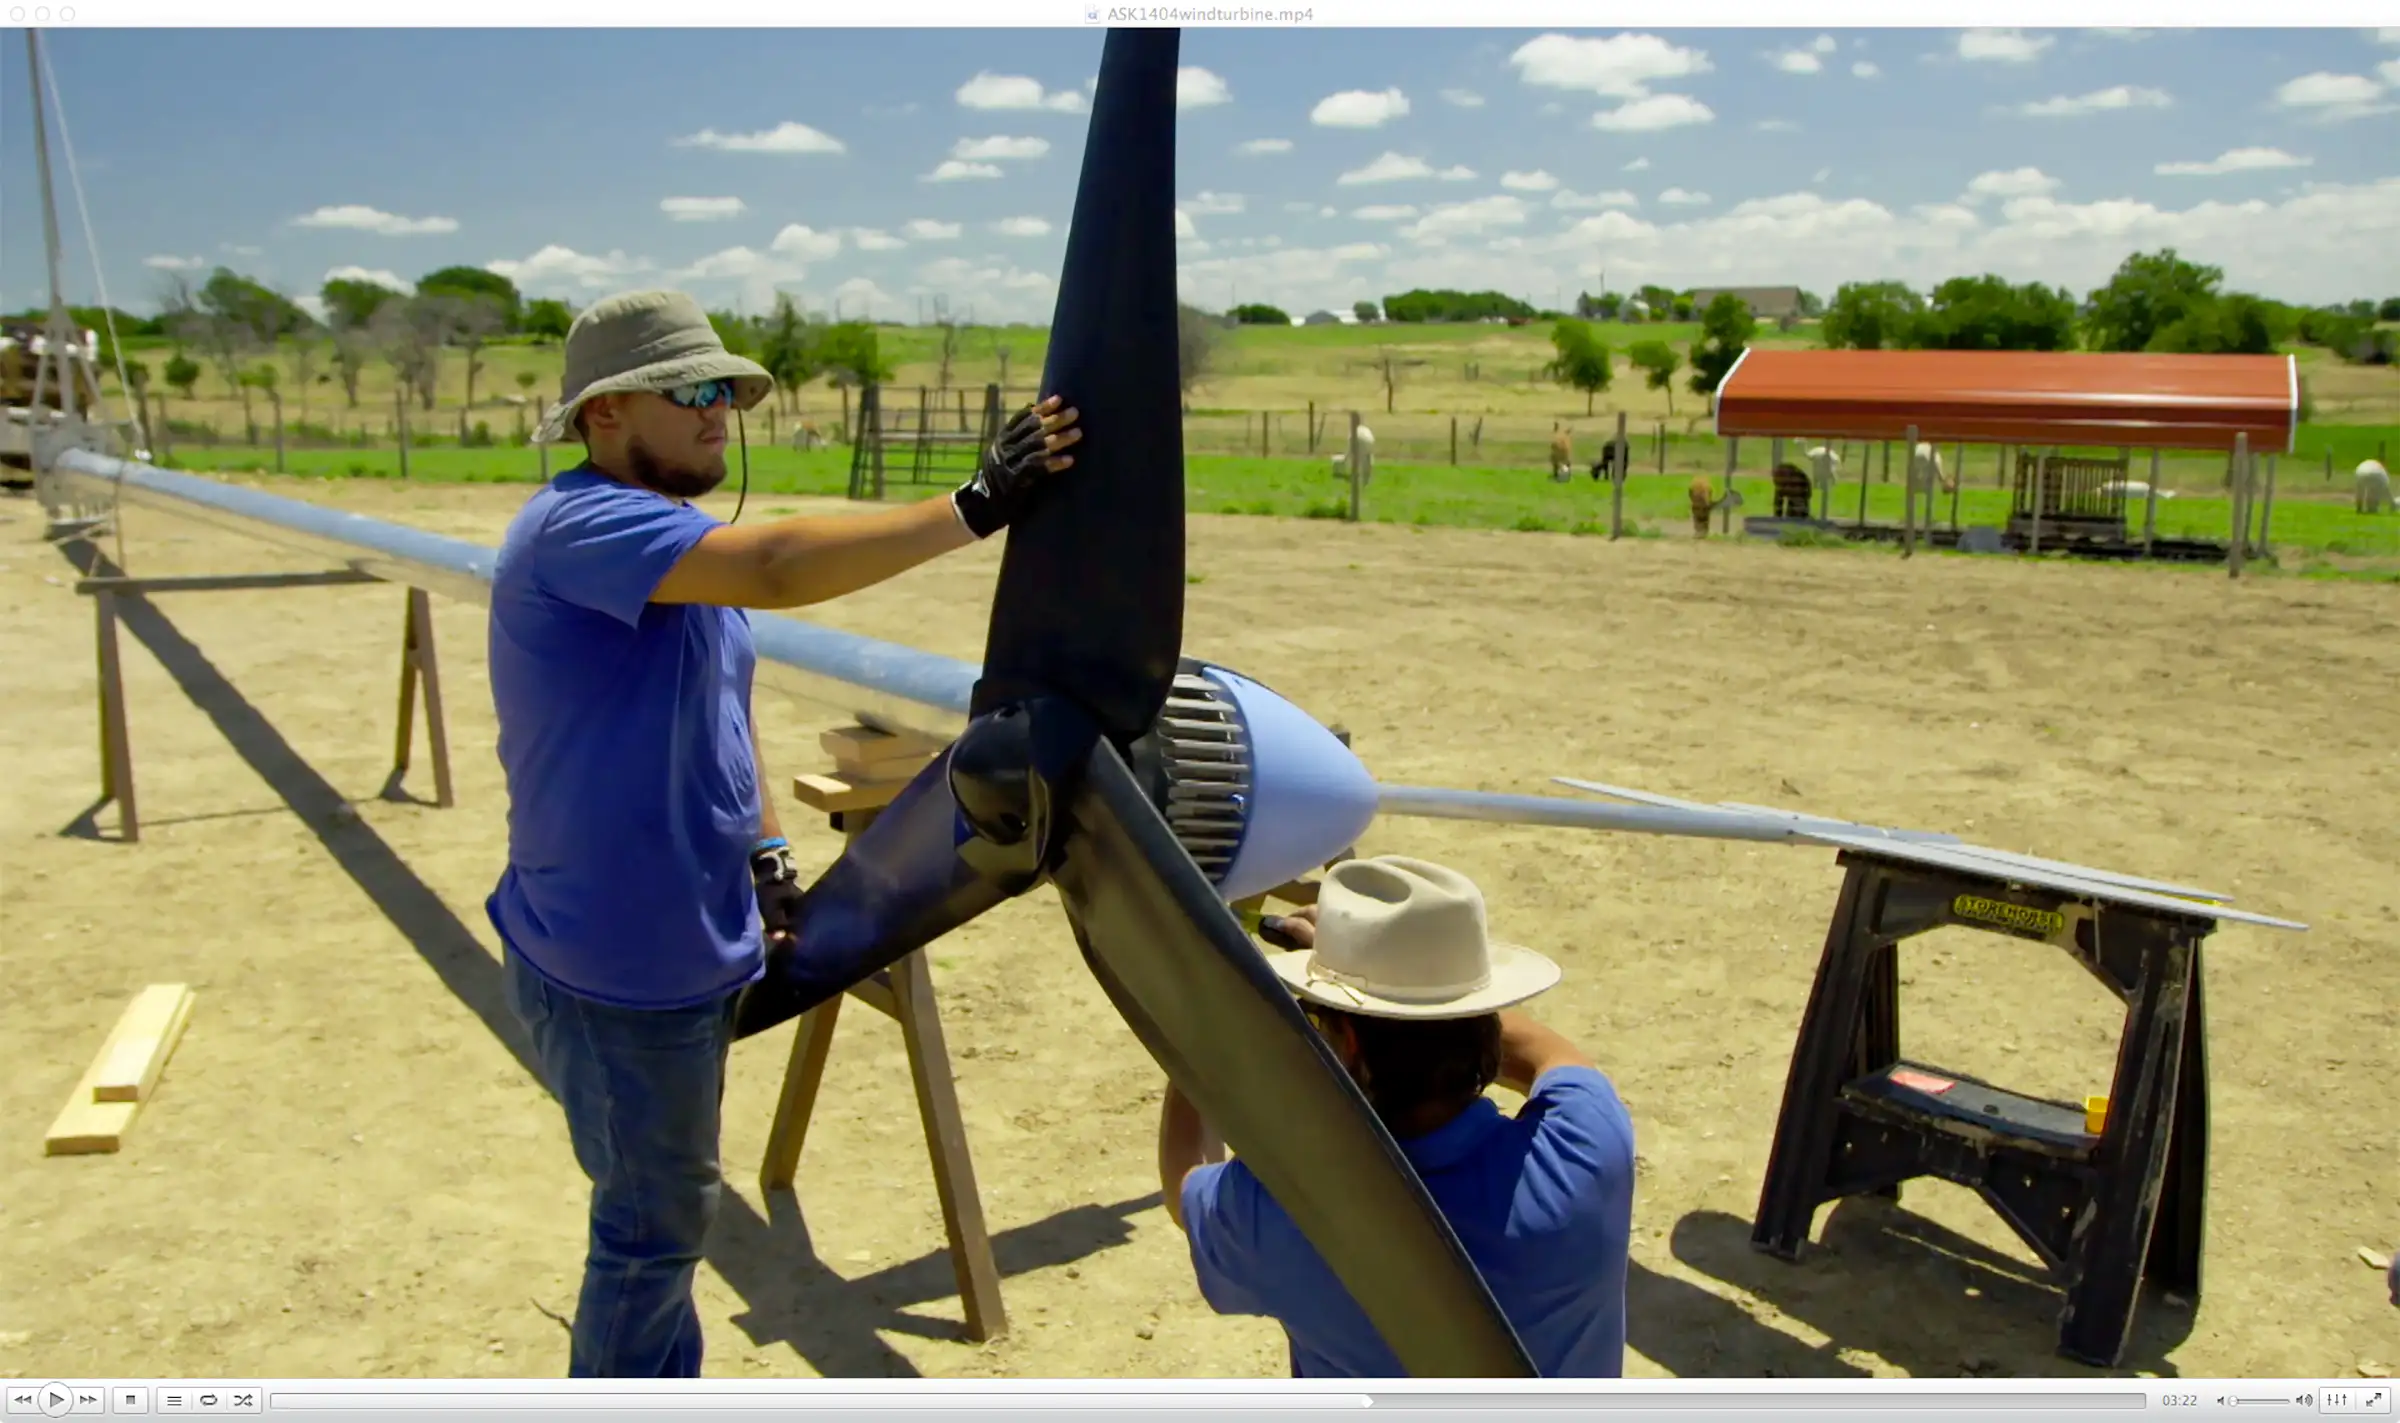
x,y
2103,1212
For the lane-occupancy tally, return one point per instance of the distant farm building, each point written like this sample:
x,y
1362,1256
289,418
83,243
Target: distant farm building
x,y
1765,303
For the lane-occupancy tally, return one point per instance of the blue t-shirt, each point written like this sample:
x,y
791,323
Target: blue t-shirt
x,y
1542,1201
633,797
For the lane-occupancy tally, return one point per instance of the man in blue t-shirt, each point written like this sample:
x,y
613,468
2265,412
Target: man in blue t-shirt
x,y
646,867
1395,969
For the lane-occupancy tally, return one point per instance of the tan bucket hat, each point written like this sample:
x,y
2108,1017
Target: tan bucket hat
x,y
648,340
1405,938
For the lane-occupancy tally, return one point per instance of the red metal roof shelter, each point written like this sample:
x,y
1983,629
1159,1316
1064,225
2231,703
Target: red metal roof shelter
x,y
2016,398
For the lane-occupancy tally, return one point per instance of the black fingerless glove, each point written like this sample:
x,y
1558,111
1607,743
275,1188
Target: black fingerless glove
x,y
1013,471
777,881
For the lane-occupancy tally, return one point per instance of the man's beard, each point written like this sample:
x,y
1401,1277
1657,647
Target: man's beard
x,y
675,483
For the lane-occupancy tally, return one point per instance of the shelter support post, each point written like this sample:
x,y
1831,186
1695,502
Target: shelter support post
x,y
418,666
1958,480
1357,476
1908,498
2105,1199
2266,511
871,768
2239,478
2150,506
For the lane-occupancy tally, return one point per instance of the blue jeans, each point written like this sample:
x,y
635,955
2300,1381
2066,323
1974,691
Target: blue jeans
x,y
643,1092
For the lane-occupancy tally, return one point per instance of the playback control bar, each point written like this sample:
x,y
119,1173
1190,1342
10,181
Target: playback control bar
x,y
1296,1401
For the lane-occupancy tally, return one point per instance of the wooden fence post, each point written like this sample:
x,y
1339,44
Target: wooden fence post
x,y
1616,507
1908,499
400,426
2241,513
1352,462
2150,507
275,402
1454,440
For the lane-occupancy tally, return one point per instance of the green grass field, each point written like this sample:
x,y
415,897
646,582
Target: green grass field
x,y
2313,531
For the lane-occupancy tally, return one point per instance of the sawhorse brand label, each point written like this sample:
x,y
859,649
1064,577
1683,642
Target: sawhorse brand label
x,y
2001,914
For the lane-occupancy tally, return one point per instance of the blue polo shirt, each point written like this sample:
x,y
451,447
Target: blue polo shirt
x,y
633,797
1542,1201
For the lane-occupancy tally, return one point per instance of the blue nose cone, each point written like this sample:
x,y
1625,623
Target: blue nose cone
x,y
1310,796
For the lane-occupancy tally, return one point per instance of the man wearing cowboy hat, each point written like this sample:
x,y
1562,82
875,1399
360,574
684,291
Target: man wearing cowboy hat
x,y
645,863
1397,972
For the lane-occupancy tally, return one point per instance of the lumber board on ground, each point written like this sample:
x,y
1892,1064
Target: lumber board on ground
x,y
89,1124
836,794
146,1037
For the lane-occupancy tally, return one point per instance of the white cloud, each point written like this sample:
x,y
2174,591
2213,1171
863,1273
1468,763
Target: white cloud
x,y
2333,98
1210,204
2010,183
1777,126
1683,198
1015,91
2117,96
1820,175
1536,181
1797,61
1824,44
1637,165
2389,71
702,209
1185,229
952,170
925,229
1384,212
1358,108
357,217
994,289
2234,160
1197,88
1865,69
999,147
1022,227
1388,168
871,239
2387,36
1300,205
1618,67
1257,146
785,137
558,269
1659,111
859,297
377,276
1567,201
174,264
1462,98
2002,46
805,244
1473,217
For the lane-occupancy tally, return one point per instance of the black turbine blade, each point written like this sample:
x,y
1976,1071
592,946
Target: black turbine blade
x,y
1175,962
1090,600
896,888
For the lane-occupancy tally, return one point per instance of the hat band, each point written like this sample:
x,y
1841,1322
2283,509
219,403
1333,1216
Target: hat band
x,y
1360,986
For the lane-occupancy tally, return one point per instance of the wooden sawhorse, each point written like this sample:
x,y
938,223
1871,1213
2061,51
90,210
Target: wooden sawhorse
x,y
418,664
870,768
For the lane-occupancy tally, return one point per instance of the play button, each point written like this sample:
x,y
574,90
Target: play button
x,y
56,1400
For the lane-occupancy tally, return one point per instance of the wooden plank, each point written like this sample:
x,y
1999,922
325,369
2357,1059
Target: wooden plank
x,y
836,794
144,1039
864,746
803,1074
971,1261
87,1125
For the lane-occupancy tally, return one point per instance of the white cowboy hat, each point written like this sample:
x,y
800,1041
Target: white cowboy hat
x,y
1405,938
649,340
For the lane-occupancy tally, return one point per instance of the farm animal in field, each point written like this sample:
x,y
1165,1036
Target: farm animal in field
x,y
1925,471
2132,490
806,435
1562,454
1605,467
2374,494
1792,491
1705,503
1365,444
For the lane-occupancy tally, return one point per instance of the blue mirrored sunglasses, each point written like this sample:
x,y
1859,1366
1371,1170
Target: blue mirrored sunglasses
x,y
699,395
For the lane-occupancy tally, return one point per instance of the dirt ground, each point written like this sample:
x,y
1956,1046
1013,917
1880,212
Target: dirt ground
x,y
349,1170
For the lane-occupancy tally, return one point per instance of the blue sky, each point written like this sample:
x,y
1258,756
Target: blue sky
x,y
736,164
